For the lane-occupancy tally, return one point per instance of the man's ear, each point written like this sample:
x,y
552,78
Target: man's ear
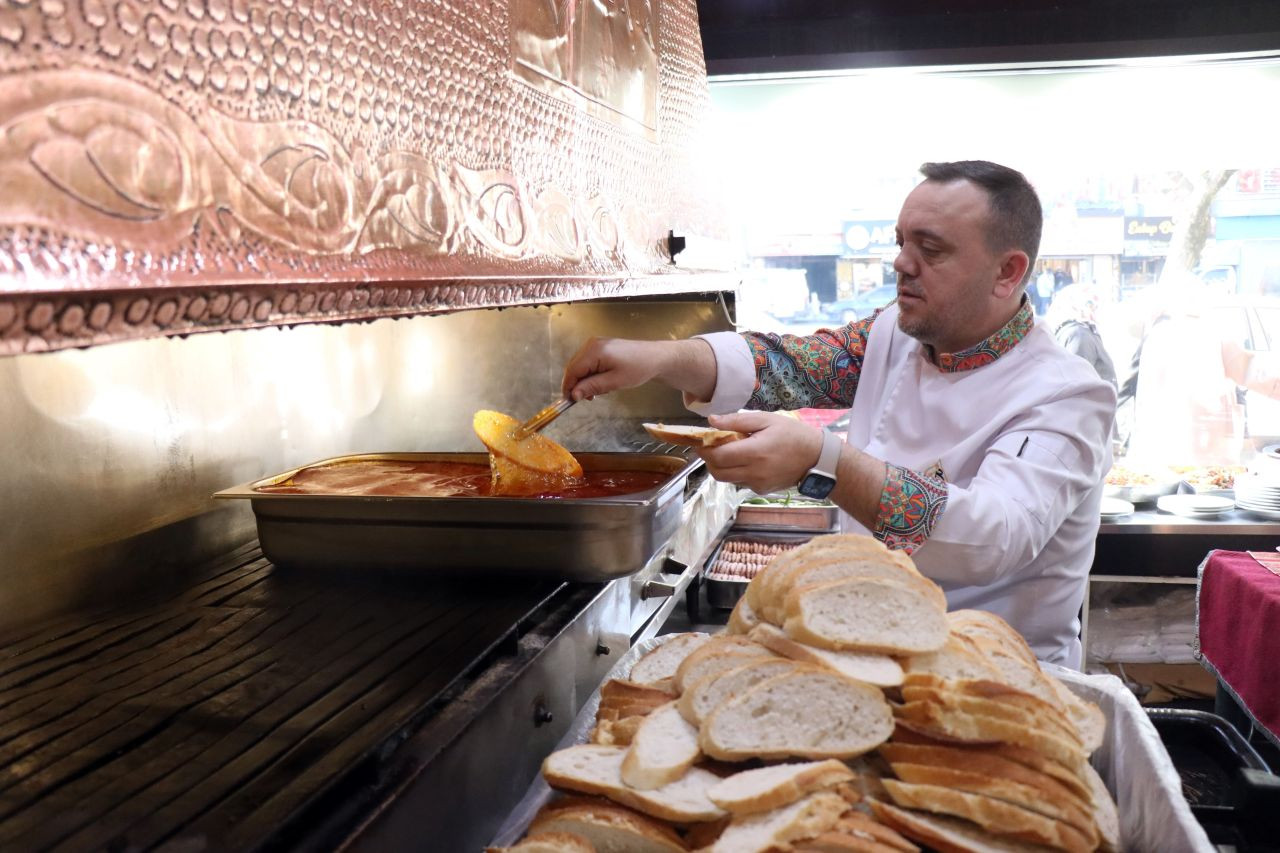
x,y
1013,267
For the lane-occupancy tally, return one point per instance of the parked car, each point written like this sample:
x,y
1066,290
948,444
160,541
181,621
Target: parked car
x,y
857,307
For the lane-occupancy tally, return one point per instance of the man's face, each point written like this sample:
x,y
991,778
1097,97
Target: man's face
x,y
946,272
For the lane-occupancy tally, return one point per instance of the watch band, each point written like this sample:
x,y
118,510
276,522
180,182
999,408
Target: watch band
x,y
829,458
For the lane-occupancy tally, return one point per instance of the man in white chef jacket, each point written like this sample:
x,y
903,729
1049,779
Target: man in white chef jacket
x,y
975,442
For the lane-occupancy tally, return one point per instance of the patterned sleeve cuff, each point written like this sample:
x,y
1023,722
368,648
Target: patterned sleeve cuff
x,y
910,506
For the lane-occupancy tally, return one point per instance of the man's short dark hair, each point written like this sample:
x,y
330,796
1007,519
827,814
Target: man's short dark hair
x,y
1016,215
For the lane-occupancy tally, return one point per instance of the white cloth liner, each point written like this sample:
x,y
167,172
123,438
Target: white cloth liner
x,y
1132,761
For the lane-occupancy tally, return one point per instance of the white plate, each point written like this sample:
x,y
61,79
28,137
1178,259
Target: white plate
x,y
1274,515
1115,508
1195,505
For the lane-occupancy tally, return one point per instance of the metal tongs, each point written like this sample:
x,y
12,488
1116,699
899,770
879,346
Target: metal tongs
x,y
542,418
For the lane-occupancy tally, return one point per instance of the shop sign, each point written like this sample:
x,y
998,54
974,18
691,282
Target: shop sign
x,y
1151,229
865,237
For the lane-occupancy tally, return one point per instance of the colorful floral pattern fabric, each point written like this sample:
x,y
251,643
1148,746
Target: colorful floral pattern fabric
x,y
822,370
991,348
818,371
910,505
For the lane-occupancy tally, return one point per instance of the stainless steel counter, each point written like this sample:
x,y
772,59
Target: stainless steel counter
x,y
1237,522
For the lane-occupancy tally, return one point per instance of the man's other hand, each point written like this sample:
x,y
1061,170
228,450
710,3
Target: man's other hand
x,y
776,453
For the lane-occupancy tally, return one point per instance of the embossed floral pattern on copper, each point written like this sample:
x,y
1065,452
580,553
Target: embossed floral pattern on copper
x,y
260,149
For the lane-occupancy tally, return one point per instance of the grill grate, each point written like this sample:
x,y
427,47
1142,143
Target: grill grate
x,y
214,718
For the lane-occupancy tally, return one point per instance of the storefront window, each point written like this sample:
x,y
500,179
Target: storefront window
x,y
1161,192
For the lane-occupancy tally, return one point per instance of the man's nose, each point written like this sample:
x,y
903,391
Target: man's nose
x,y
904,264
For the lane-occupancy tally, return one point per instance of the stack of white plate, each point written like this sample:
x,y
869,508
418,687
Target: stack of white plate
x,y
1195,506
1259,494
1114,508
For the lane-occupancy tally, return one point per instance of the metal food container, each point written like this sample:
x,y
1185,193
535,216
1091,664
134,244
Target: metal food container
x,y
580,539
778,517
723,593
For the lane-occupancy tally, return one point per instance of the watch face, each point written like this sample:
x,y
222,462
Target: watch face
x,y
816,485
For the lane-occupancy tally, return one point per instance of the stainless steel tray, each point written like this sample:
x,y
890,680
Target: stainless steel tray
x,y
723,593
582,539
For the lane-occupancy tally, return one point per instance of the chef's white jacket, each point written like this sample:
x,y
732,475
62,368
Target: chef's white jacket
x,y
1023,443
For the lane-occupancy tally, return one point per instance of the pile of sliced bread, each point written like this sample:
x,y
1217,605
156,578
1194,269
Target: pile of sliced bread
x,y
843,710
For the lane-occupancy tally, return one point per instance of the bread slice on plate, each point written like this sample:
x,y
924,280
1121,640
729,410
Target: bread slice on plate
x,y
767,788
663,748
865,614
949,834
705,694
773,830
609,829
996,816
877,669
692,436
597,769
551,841
807,713
661,663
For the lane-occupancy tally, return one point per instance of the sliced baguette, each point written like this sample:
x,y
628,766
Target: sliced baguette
x,y
662,749
834,549
706,693
692,436
807,713
949,834
988,763
1026,796
768,788
979,728
1071,779
766,831
891,565
857,832
996,700
865,614
548,842
723,652
742,618
662,662
983,624
616,732
877,669
1086,718
1105,814
597,769
609,829
993,815
959,658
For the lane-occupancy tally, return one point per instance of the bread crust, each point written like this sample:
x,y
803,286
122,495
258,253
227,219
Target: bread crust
x,y
807,777
692,436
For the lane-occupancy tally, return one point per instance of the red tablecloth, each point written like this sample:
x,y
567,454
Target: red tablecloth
x,y
1239,628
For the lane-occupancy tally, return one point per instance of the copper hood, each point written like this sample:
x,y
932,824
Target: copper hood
x,y
175,166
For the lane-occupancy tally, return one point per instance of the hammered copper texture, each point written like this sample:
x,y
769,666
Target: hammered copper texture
x,y
168,166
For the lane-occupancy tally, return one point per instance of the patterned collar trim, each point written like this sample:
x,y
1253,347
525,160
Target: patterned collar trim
x,y
986,351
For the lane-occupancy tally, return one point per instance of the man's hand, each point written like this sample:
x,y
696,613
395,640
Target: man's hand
x,y
774,456
610,364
